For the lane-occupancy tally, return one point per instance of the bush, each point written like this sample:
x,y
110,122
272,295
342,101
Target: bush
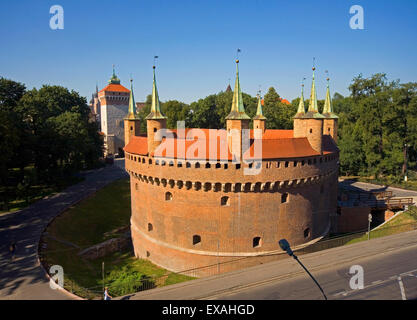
x,y
125,281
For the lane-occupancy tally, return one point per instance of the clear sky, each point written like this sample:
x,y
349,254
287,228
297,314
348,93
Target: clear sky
x,y
196,41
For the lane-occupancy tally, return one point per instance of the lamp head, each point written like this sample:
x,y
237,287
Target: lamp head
x,y
285,246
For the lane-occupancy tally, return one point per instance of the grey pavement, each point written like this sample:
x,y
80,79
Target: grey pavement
x,y
360,186
23,277
384,260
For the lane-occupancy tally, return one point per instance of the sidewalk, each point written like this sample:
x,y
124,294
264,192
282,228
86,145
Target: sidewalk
x,y
24,278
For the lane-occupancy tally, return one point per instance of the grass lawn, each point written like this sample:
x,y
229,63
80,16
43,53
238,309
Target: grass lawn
x,y
92,221
406,221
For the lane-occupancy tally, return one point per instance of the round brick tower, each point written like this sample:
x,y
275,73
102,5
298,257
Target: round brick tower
x,y
209,212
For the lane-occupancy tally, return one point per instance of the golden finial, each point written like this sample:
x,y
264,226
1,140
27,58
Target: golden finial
x,y
237,60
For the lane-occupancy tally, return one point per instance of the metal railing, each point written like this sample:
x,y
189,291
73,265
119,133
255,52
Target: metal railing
x,y
148,283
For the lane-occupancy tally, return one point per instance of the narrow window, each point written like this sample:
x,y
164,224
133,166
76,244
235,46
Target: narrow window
x,y
155,129
256,242
295,163
225,201
136,186
311,130
286,164
188,165
148,254
196,239
238,166
168,196
307,233
284,198
218,165
197,165
150,227
208,165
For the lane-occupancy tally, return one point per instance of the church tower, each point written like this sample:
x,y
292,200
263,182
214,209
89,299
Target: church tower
x,y
259,121
155,120
132,122
330,119
237,122
114,104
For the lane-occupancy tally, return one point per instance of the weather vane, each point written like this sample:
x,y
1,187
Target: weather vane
x,y
237,54
302,82
314,63
154,61
327,75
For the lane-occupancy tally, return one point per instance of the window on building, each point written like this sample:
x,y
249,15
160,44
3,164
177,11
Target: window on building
x,y
208,165
311,130
286,164
155,129
168,196
148,254
136,186
256,242
307,233
284,197
197,165
238,166
150,227
196,239
225,201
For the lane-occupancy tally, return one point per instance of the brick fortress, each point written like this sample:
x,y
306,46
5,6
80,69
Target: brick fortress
x,y
203,197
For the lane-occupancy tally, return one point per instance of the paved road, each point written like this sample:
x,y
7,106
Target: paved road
x,y
23,278
391,276
389,263
373,187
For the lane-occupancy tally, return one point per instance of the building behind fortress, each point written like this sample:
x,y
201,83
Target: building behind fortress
x,y
202,197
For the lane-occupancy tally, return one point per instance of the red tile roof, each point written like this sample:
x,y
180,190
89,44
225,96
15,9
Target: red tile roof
x,y
115,88
275,144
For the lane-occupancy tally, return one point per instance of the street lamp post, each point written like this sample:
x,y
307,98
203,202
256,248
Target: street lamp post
x,y
283,243
405,163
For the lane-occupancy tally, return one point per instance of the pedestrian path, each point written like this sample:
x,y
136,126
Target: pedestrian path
x,y
23,277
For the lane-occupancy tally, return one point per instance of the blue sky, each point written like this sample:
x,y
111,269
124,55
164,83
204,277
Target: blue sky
x,y
196,41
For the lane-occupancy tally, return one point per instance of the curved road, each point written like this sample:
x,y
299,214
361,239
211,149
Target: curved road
x,y
23,277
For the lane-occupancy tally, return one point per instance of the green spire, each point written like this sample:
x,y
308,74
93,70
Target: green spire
x,y
238,110
259,113
114,79
327,109
132,106
313,110
156,112
301,108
